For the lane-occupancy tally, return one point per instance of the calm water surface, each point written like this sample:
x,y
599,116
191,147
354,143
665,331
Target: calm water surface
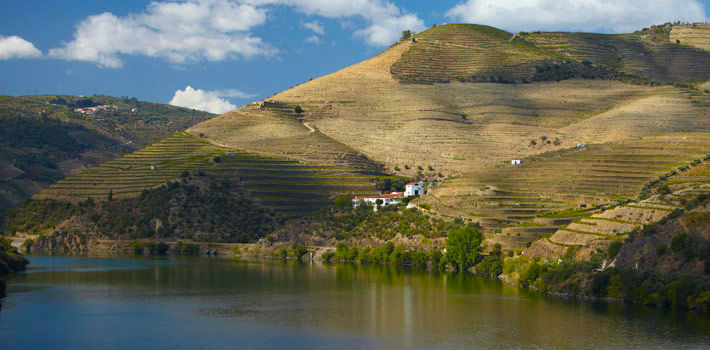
x,y
68,302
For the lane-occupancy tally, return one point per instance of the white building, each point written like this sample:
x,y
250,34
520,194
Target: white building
x,y
516,161
387,199
414,189
581,145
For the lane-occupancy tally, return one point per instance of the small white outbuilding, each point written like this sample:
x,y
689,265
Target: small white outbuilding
x,y
516,161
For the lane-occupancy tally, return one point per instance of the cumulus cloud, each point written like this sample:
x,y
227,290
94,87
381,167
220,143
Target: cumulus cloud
x,y
16,47
215,30
208,101
180,32
312,40
315,26
385,21
585,15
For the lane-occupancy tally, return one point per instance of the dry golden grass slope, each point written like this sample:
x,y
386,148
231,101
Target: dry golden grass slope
x,y
364,116
472,130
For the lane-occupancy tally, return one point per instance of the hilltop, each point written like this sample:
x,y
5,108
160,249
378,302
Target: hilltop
x,y
454,106
45,138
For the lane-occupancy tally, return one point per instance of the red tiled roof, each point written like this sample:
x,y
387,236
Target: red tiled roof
x,y
382,196
413,183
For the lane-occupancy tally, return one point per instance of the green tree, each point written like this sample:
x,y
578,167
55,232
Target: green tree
x,y
462,247
406,35
299,250
343,203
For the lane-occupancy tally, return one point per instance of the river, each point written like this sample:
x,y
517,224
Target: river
x,y
123,303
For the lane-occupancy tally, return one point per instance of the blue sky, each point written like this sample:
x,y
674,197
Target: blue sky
x,y
231,52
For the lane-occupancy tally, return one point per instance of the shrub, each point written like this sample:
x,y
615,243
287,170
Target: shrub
x,y
328,256
282,253
614,249
27,245
298,110
189,249
678,242
343,203
299,250
661,249
137,248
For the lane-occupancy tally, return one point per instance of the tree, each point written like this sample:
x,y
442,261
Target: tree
x,y
110,195
299,250
462,247
343,203
298,110
406,35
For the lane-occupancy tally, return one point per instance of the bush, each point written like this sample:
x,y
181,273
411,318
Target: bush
x,y
137,248
299,250
282,253
298,110
614,249
328,256
189,249
27,245
678,243
661,249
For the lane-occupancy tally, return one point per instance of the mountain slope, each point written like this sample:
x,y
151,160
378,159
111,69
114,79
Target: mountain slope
x,y
43,139
370,119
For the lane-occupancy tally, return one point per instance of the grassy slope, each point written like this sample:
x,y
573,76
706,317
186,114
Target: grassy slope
x,y
43,139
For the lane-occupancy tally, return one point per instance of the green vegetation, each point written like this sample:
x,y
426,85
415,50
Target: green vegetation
x,y
200,211
387,254
463,246
10,261
42,138
574,278
344,222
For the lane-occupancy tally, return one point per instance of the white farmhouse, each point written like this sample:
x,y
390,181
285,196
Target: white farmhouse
x,y
516,161
414,189
386,199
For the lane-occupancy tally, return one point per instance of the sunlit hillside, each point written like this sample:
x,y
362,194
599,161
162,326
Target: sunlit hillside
x,y
459,102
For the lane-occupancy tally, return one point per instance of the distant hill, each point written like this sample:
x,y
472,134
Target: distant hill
x,y
593,117
43,138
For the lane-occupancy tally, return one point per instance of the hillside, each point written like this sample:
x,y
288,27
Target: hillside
x,y
416,110
43,139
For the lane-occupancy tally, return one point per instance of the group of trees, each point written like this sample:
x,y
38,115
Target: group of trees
x,y
463,248
10,261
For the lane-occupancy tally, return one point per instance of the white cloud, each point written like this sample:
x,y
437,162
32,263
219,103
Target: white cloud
x,y
16,47
312,40
180,32
585,15
215,30
385,21
208,101
315,26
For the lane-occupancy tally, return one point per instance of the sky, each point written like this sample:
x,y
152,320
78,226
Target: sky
x,y
217,55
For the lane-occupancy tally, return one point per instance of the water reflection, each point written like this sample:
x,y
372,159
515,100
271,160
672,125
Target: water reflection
x,y
272,304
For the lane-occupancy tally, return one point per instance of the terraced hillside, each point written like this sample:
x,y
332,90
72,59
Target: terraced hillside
x,y
523,202
462,51
697,34
481,53
364,121
290,187
43,139
633,54
595,232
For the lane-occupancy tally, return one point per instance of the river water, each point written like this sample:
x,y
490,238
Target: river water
x,y
112,303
